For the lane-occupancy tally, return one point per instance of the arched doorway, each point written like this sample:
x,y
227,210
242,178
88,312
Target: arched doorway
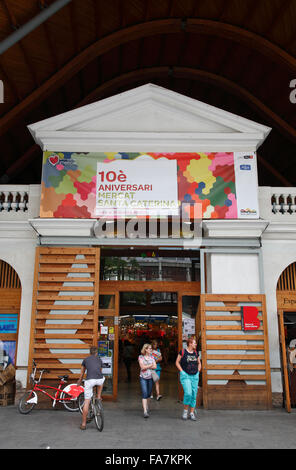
x,y
286,302
10,294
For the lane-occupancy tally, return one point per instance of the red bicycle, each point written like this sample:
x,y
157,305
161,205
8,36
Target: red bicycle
x,y
68,396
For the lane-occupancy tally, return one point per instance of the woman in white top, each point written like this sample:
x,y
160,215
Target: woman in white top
x,y
147,363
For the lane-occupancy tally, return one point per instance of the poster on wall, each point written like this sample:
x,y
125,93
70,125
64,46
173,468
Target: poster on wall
x,y
90,185
106,365
250,319
7,353
8,323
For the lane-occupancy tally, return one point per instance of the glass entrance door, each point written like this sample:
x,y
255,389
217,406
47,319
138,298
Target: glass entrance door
x,y
189,322
145,317
108,341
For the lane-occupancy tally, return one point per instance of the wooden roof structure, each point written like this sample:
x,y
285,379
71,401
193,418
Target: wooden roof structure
x,y
239,56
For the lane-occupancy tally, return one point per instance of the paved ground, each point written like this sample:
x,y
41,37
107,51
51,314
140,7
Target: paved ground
x,y
125,428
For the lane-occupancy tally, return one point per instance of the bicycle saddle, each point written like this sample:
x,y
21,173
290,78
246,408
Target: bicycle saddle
x,y
65,377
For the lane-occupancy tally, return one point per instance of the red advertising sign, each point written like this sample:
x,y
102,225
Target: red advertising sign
x,y
249,318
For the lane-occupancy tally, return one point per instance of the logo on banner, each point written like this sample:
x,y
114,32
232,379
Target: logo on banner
x,y
248,211
245,167
250,319
54,159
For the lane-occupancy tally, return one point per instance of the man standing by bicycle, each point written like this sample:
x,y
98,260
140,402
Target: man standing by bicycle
x,y
93,365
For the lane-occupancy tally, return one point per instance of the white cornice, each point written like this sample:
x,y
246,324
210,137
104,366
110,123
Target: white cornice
x,y
280,231
234,228
16,229
228,229
63,227
66,141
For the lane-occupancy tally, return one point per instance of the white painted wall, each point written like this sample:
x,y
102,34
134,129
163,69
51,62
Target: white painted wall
x,y
233,274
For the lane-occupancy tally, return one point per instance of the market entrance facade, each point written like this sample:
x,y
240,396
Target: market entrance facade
x,y
91,296
198,171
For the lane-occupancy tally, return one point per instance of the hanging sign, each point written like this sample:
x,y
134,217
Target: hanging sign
x,y
96,184
249,318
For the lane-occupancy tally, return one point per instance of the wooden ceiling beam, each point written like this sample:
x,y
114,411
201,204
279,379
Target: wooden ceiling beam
x,y
163,36
242,36
122,24
227,57
273,171
51,47
142,40
212,41
279,12
20,164
98,16
194,75
7,80
151,28
73,27
27,60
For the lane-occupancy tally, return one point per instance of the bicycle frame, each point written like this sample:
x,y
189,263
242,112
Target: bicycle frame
x,y
68,396
58,390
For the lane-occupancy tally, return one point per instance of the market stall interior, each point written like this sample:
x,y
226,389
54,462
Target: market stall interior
x,y
148,316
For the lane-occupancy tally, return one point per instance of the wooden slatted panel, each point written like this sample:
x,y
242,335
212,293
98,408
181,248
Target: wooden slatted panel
x,y
64,312
236,370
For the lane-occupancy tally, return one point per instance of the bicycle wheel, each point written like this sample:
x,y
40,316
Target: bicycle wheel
x,y
70,405
99,415
81,402
90,414
24,407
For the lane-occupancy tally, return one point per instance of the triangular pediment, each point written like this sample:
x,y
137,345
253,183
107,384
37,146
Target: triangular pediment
x,y
148,116
147,112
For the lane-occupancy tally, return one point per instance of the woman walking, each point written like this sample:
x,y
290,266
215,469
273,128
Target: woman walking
x,y
147,364
189,365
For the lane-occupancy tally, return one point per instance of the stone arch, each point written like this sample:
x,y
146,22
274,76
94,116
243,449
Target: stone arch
x,y
10,293
287,278
286,307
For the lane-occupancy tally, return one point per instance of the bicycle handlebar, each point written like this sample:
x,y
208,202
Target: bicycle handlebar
x,y
42,371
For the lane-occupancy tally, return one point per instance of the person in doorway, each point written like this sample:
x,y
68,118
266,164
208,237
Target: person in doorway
x,y
93,366
158,358
128,351
189,365
292,370
147,364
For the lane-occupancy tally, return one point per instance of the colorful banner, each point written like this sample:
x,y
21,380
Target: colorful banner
x,y
224,184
